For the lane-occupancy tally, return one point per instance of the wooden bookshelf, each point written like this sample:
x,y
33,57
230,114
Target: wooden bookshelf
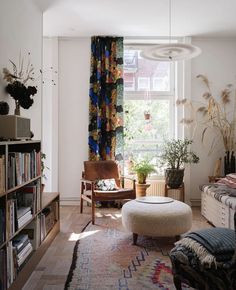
x,y
20,166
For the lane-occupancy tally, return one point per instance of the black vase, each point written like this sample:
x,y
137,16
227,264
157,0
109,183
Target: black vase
x,y
229,162
174,177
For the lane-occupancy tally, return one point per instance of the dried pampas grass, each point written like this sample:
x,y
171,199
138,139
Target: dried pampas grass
x,y
214,114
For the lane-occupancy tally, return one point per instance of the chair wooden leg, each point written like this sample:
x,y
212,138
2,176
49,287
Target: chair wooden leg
x,y
81,197
135,238
93,212
177,283
81,204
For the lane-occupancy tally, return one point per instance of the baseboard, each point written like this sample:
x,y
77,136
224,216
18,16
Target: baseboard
x,y
70,201
195,202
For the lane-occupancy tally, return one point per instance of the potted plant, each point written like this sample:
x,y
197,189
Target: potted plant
x,y
43,167
142,169
175,155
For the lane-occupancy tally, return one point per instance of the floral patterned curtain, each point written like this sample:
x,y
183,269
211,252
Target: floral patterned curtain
x,y
106,99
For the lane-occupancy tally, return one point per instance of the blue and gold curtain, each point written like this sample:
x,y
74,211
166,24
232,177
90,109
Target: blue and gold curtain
x,y
106,99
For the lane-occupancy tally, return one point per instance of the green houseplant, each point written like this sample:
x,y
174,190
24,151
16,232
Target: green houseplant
x,y
175,154
143,169
43,167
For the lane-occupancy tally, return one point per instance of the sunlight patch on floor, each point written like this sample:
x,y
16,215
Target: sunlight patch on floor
x,y
80,236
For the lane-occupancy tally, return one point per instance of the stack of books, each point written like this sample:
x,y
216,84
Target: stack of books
x,y
18,250
23,216
17,217
23,248
30,196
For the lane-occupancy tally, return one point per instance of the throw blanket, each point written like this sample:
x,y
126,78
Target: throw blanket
x,y
211,245
222,193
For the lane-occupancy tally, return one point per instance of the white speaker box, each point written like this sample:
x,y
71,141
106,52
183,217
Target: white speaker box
x,y
14,127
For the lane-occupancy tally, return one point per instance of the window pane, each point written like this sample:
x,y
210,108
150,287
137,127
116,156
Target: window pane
x,y
145,74
144,138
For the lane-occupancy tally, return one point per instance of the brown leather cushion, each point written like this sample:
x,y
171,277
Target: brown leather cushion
x,y
94,170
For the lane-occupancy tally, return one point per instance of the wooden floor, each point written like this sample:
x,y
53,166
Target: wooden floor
x,y
51,272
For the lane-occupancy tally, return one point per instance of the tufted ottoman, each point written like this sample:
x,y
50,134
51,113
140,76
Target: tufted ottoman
x,y
156,216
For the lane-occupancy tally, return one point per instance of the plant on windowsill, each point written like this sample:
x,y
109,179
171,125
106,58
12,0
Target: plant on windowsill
x,y
142,169
175,155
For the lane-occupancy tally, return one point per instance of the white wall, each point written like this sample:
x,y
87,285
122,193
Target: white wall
x,y
21,31
50,113
218,63
74,73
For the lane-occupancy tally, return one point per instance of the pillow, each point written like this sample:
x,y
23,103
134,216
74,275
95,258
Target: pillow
x,y
106,184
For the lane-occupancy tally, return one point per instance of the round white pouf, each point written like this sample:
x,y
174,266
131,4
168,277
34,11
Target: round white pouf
x,y
160,220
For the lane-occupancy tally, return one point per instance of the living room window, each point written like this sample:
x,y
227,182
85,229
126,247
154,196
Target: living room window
x,y
148,106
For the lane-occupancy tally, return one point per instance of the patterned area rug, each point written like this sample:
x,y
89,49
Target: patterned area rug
x,y
104,258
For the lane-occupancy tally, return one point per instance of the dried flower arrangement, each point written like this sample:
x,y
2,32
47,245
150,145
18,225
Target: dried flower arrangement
x,y
213,114
18,80
17,83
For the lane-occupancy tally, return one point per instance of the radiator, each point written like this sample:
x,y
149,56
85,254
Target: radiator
x,y
157,188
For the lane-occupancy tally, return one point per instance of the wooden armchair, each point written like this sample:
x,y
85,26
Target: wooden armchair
x,y
97,170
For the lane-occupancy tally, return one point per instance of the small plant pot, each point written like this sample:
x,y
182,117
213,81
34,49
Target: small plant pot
x,y
141,189
174,177
147,116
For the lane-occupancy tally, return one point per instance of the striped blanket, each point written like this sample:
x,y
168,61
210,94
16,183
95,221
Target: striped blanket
x,y
221,192
211,245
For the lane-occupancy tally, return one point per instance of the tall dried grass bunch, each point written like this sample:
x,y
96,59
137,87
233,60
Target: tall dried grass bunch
x,y
213,113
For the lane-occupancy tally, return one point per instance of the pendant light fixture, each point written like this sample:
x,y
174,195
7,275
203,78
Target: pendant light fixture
x,y
171,51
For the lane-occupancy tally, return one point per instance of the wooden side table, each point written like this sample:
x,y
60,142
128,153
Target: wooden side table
x,y
181,189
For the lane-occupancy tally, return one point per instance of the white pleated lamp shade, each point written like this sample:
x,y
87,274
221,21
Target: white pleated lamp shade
x,y
171,52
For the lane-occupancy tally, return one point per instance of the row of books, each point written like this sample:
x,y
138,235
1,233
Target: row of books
x,y
2,225
3,271
49,216
22,167
2,173
18,250
17,217
22,207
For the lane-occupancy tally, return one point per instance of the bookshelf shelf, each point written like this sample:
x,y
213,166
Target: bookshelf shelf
x,y
48,197
29,219
18,231
22,185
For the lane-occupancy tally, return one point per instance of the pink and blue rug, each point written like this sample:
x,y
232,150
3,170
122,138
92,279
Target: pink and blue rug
x,y
104,258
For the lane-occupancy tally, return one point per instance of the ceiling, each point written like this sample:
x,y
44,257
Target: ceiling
x,y
80,18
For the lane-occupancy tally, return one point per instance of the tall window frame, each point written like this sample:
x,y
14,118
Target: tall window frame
x,y
154,95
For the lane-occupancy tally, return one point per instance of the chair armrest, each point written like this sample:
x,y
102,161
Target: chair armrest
x,y
129,178
126,177
87,181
